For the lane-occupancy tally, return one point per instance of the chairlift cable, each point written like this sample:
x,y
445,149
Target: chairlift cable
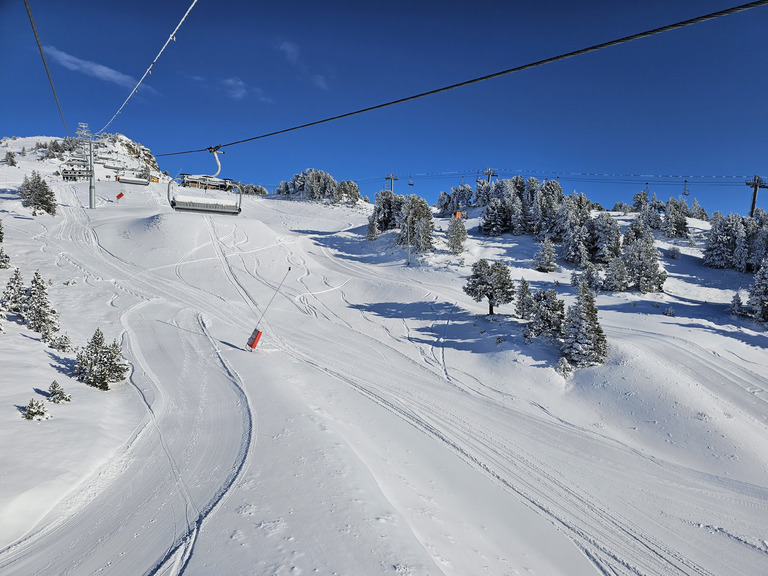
x,y
149,70
47,70
580,52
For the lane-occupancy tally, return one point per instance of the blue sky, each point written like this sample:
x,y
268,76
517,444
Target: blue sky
x,y
690,102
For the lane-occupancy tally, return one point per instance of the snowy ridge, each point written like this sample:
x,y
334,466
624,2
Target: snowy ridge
x,y
383,425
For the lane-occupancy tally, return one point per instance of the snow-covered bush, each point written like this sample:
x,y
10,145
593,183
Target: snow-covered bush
x,y
35,410
56,393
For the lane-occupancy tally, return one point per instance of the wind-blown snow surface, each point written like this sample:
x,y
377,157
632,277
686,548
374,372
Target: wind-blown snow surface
x,y
382,426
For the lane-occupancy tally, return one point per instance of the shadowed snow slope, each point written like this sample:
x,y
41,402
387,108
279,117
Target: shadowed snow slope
x,y
383,425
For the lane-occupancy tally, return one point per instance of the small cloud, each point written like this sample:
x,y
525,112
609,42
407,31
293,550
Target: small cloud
x,y
290,50
320,81
262,96
193,77
90,68
236,88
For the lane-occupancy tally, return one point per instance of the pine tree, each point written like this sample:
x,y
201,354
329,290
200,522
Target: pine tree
x,y
56,393
524,304
494,218
641,259
585,342
372,231
737,306
544,261
1,231
98,364
40,316
5,260
721,240
14,293
574,245
698,212
564,368
416,224
35,410
10,158
604,238
36,194
457,234
616,276
491,281
548,315
60,343
758,293
675,223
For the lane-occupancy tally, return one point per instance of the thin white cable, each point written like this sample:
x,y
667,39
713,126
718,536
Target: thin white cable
x,y
149,70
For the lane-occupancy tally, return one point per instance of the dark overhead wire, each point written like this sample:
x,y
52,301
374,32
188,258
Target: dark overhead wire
x,y
47,71
580,52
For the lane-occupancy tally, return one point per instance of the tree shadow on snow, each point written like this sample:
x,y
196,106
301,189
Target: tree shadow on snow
x,y
352,244
42,393
701,316
22,409
62,364
445,324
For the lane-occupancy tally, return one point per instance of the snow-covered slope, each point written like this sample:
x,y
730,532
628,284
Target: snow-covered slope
x,y
382,426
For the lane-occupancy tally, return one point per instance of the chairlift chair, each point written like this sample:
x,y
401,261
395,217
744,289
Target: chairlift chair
x,y
206,204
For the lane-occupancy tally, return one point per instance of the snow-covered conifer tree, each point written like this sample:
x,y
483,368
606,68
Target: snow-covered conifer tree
x,y
98,364
737,306
40,316
585,342
698,212
14,293
1,231
10,158
675,223
641,259
457,234
491,281
574,246
56,393
515,216
372,231
721,240
482,193
616,276
114,366
443,204
604,238
61,343
544,261
524,304
5,260
758,293
494,218
547,316
416,224
35,410
640,201
36,194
